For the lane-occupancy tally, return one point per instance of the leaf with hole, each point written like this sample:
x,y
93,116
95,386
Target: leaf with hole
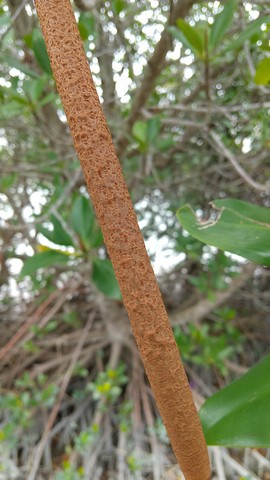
x,y
239,227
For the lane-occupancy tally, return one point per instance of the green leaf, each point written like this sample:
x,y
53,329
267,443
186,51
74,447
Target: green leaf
x,y
83,220
193,39
40,51
165,143
262,76
238,415
153,128
222,23
118,6
42,260
139,132
253,28
34,88
86,25
104,278
58,235
240,228
12,109
15,63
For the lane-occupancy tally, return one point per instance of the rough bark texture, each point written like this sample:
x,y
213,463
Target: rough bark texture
x,y
122,235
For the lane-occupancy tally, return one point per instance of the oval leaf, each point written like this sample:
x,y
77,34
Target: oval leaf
x,y
240,228
40,51
58,235
83,220
192,36
153,129
262,75
238,415
104,278
139,132
41,260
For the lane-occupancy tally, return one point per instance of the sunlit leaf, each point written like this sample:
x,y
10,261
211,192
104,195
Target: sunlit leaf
x,y
262,75
238,415
58,235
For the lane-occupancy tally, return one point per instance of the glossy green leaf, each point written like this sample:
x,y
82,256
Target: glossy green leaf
x,y
222,23
238,415
42,260
193,38
239,227
58,235
253,28
104,278
40,51
262,75
83,220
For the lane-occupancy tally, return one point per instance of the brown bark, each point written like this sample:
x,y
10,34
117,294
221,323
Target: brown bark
x,y
122,236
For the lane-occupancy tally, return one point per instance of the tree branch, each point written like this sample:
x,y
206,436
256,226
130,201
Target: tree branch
x,y
197,312
153,69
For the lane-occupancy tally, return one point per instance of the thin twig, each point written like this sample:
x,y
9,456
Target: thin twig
x,y
222,149
31,320
13,19
66,379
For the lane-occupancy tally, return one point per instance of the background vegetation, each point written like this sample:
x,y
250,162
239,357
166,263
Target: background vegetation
x,y
185,88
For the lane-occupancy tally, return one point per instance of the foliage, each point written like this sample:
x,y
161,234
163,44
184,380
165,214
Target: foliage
x,y
107,386
167,81
238,414
249,223
209,345
20,407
